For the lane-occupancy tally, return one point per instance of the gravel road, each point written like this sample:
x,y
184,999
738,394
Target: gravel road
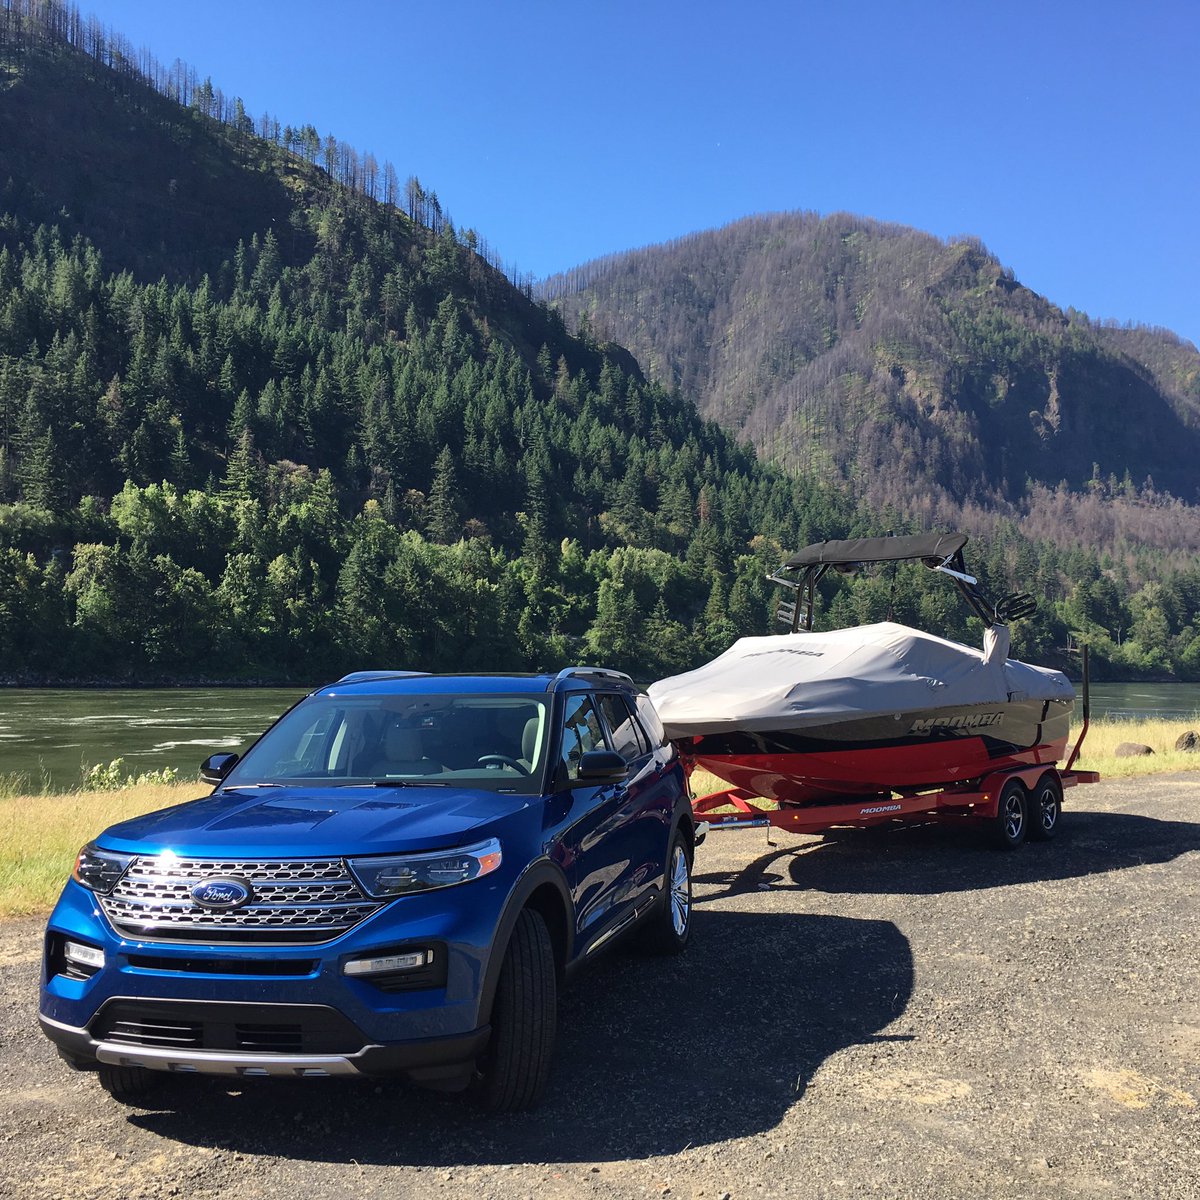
x,y
901,1013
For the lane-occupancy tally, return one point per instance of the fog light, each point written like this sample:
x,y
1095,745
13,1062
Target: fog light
x,y
85,956
389,962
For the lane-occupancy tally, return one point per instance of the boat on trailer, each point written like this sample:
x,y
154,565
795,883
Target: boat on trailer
x,y
876,722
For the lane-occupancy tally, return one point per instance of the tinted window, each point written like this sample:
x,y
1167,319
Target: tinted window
x,y
651,721
581,732
627,739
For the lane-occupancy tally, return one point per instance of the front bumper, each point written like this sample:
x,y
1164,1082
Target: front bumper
x,y
447,1060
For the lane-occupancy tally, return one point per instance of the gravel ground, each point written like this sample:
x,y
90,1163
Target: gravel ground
x,y
900,1013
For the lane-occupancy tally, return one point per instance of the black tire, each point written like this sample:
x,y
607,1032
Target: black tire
x,y
74,1061
669,928
129,1085
1011,822
516,1065
1045,808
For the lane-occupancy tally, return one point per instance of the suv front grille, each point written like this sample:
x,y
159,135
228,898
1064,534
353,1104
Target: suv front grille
x,y
298,900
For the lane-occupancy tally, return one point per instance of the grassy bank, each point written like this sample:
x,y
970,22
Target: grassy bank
x,y
40,835
1104,736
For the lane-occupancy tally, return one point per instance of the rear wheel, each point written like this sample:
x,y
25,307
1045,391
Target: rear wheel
x,y
516,1064
669,927
129,1085
1011,822
1045,808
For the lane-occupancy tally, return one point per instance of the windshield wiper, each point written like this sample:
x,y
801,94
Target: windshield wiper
x,y
392,783
245,787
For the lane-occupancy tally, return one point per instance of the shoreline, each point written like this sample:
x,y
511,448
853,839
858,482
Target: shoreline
x,y
102,685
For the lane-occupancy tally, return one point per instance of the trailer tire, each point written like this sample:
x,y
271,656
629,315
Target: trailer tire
x,y
1011,823
1045,808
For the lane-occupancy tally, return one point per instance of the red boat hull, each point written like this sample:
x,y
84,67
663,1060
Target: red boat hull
x,y
819,777
869,757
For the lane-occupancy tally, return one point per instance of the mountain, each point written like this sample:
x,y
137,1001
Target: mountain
x,y
265,418
267,414
903,365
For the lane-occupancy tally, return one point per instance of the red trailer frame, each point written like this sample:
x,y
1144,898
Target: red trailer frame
x,y
977,801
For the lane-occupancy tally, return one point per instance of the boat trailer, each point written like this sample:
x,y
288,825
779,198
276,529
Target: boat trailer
x,y
988,800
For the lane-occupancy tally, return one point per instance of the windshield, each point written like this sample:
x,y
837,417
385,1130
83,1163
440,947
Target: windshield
x,y
490,741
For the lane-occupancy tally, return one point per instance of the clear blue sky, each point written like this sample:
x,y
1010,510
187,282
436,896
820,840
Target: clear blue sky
x,y
1065,133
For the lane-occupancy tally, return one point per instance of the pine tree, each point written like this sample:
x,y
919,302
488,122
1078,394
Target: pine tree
x,y
244,472
41,472
443,520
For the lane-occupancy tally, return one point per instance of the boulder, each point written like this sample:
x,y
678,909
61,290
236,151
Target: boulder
x,y
1189,741
1132,750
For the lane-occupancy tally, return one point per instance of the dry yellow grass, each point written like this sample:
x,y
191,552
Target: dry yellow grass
x,y
1099,747
40,836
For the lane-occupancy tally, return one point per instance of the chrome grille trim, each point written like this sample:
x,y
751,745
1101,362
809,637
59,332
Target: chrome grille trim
x,y
315,899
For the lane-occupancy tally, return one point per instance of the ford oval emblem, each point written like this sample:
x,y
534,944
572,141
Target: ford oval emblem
x,y
222,893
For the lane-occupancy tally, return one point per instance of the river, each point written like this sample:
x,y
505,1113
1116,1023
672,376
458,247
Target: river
x,y
53,734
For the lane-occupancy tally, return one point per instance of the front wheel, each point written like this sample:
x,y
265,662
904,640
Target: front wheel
x,y
1011,822
129,1085
516,1065
669,927
1045,808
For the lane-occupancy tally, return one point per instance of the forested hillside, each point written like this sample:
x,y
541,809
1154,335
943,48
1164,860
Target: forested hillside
x,y
304,426
918,372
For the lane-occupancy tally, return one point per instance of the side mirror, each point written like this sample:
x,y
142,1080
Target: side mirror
x,y
216,766
602,766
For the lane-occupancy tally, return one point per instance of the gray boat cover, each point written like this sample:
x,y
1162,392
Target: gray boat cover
x,y
800,680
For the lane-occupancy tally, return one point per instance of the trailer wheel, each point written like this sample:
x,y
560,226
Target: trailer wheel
x,y
1011,822
1045,808
129,1085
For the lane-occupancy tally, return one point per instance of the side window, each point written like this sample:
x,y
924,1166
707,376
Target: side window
x,y
627,739
581,732
651,721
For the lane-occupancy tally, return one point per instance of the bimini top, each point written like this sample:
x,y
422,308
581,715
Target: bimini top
x,y
940,546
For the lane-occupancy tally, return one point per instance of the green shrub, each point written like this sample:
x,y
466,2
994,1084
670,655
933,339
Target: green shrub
x,y
113,777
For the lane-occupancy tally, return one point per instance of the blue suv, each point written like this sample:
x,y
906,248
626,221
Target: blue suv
x,y
394,880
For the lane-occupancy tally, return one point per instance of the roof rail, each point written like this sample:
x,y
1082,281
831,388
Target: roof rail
x,y
591,673
373,676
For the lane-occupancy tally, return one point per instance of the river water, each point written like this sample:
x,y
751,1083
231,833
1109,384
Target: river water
x,y
55,734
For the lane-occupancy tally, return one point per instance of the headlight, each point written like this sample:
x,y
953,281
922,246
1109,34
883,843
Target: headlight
x,y
400,874
99,870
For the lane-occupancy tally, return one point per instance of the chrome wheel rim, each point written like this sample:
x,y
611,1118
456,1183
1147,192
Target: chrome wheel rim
x,y
1013,817
1049,809
681,892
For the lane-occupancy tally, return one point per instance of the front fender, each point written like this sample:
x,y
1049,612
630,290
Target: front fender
x,y
540,874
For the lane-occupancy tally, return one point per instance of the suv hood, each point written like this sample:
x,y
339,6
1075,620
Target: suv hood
x,y
316,822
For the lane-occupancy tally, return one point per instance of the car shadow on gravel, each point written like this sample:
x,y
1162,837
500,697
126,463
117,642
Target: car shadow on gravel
x,y
653,1056
922,860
